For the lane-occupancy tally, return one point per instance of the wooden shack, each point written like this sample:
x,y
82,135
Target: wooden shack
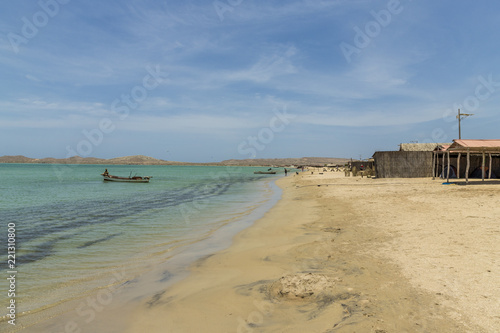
x,y
403,164
464,158
413,160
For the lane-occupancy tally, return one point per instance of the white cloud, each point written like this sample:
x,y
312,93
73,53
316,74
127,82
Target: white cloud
x,y
191,123
268,67
33,107
375,116
32,78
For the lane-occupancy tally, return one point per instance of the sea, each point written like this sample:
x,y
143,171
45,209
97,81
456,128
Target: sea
x,y
78,244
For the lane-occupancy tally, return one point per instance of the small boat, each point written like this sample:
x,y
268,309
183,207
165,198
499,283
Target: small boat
x,y
264,172
129,179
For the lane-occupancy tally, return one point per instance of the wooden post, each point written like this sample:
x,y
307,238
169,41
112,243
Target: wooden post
x,y
459,128
484,165
448,171
459,117
433,165
458,165
489,172
468,167
444,154
437,164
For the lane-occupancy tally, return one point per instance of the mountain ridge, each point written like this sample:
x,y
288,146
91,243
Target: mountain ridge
x,y
147,160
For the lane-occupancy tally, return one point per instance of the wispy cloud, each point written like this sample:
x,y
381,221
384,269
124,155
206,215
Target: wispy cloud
x,y
268,67
32,78
187,123
377,116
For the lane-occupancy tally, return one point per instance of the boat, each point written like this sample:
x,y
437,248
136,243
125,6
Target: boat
x,y
135,179
264,172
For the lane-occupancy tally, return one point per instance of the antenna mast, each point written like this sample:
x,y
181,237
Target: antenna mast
x,y
460,117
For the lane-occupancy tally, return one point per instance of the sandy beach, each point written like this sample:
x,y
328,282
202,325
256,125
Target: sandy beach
x,y
344,254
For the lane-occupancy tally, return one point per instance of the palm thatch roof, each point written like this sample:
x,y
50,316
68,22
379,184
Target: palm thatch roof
x,y
420,146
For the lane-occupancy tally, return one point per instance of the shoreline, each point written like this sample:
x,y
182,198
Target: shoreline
x,y
336,258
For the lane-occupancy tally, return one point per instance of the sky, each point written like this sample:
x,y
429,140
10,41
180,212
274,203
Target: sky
x,y
205,81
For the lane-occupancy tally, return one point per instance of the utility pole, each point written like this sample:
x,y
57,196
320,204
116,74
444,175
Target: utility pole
x,y
460,117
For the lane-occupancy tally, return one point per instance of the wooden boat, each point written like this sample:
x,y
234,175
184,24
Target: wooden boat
x,y
136,179
264,172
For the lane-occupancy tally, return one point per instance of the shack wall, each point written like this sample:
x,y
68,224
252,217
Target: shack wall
x,y
403,164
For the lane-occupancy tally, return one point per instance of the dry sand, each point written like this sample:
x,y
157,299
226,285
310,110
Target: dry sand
x,y
341,254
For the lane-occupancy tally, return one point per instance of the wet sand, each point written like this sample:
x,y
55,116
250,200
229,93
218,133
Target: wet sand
x,y
339,254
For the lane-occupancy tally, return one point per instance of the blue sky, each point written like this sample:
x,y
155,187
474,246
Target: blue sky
x,y
204,81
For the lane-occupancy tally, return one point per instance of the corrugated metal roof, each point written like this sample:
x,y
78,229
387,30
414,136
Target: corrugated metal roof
x,y
478,145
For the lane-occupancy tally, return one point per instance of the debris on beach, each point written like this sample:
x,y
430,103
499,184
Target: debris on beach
x,y
302,285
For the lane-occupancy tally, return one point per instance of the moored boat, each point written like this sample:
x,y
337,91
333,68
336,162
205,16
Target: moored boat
x,y
264,172
135,179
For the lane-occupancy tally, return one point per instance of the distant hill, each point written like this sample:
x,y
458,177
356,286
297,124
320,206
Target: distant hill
x,y
16,159
136,160
146,160
310,161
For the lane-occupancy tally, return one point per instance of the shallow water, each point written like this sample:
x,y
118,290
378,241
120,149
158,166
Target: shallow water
x,y
74,231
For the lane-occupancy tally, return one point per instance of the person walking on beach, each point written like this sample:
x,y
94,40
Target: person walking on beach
x,y
286,171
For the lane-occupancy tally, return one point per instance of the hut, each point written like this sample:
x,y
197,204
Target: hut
x,y
362,165
449,161
413,160
403,164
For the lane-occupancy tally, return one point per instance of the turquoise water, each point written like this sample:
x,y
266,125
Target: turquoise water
x,y
74,231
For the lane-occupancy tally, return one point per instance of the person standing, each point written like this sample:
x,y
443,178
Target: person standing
x,y
286,171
